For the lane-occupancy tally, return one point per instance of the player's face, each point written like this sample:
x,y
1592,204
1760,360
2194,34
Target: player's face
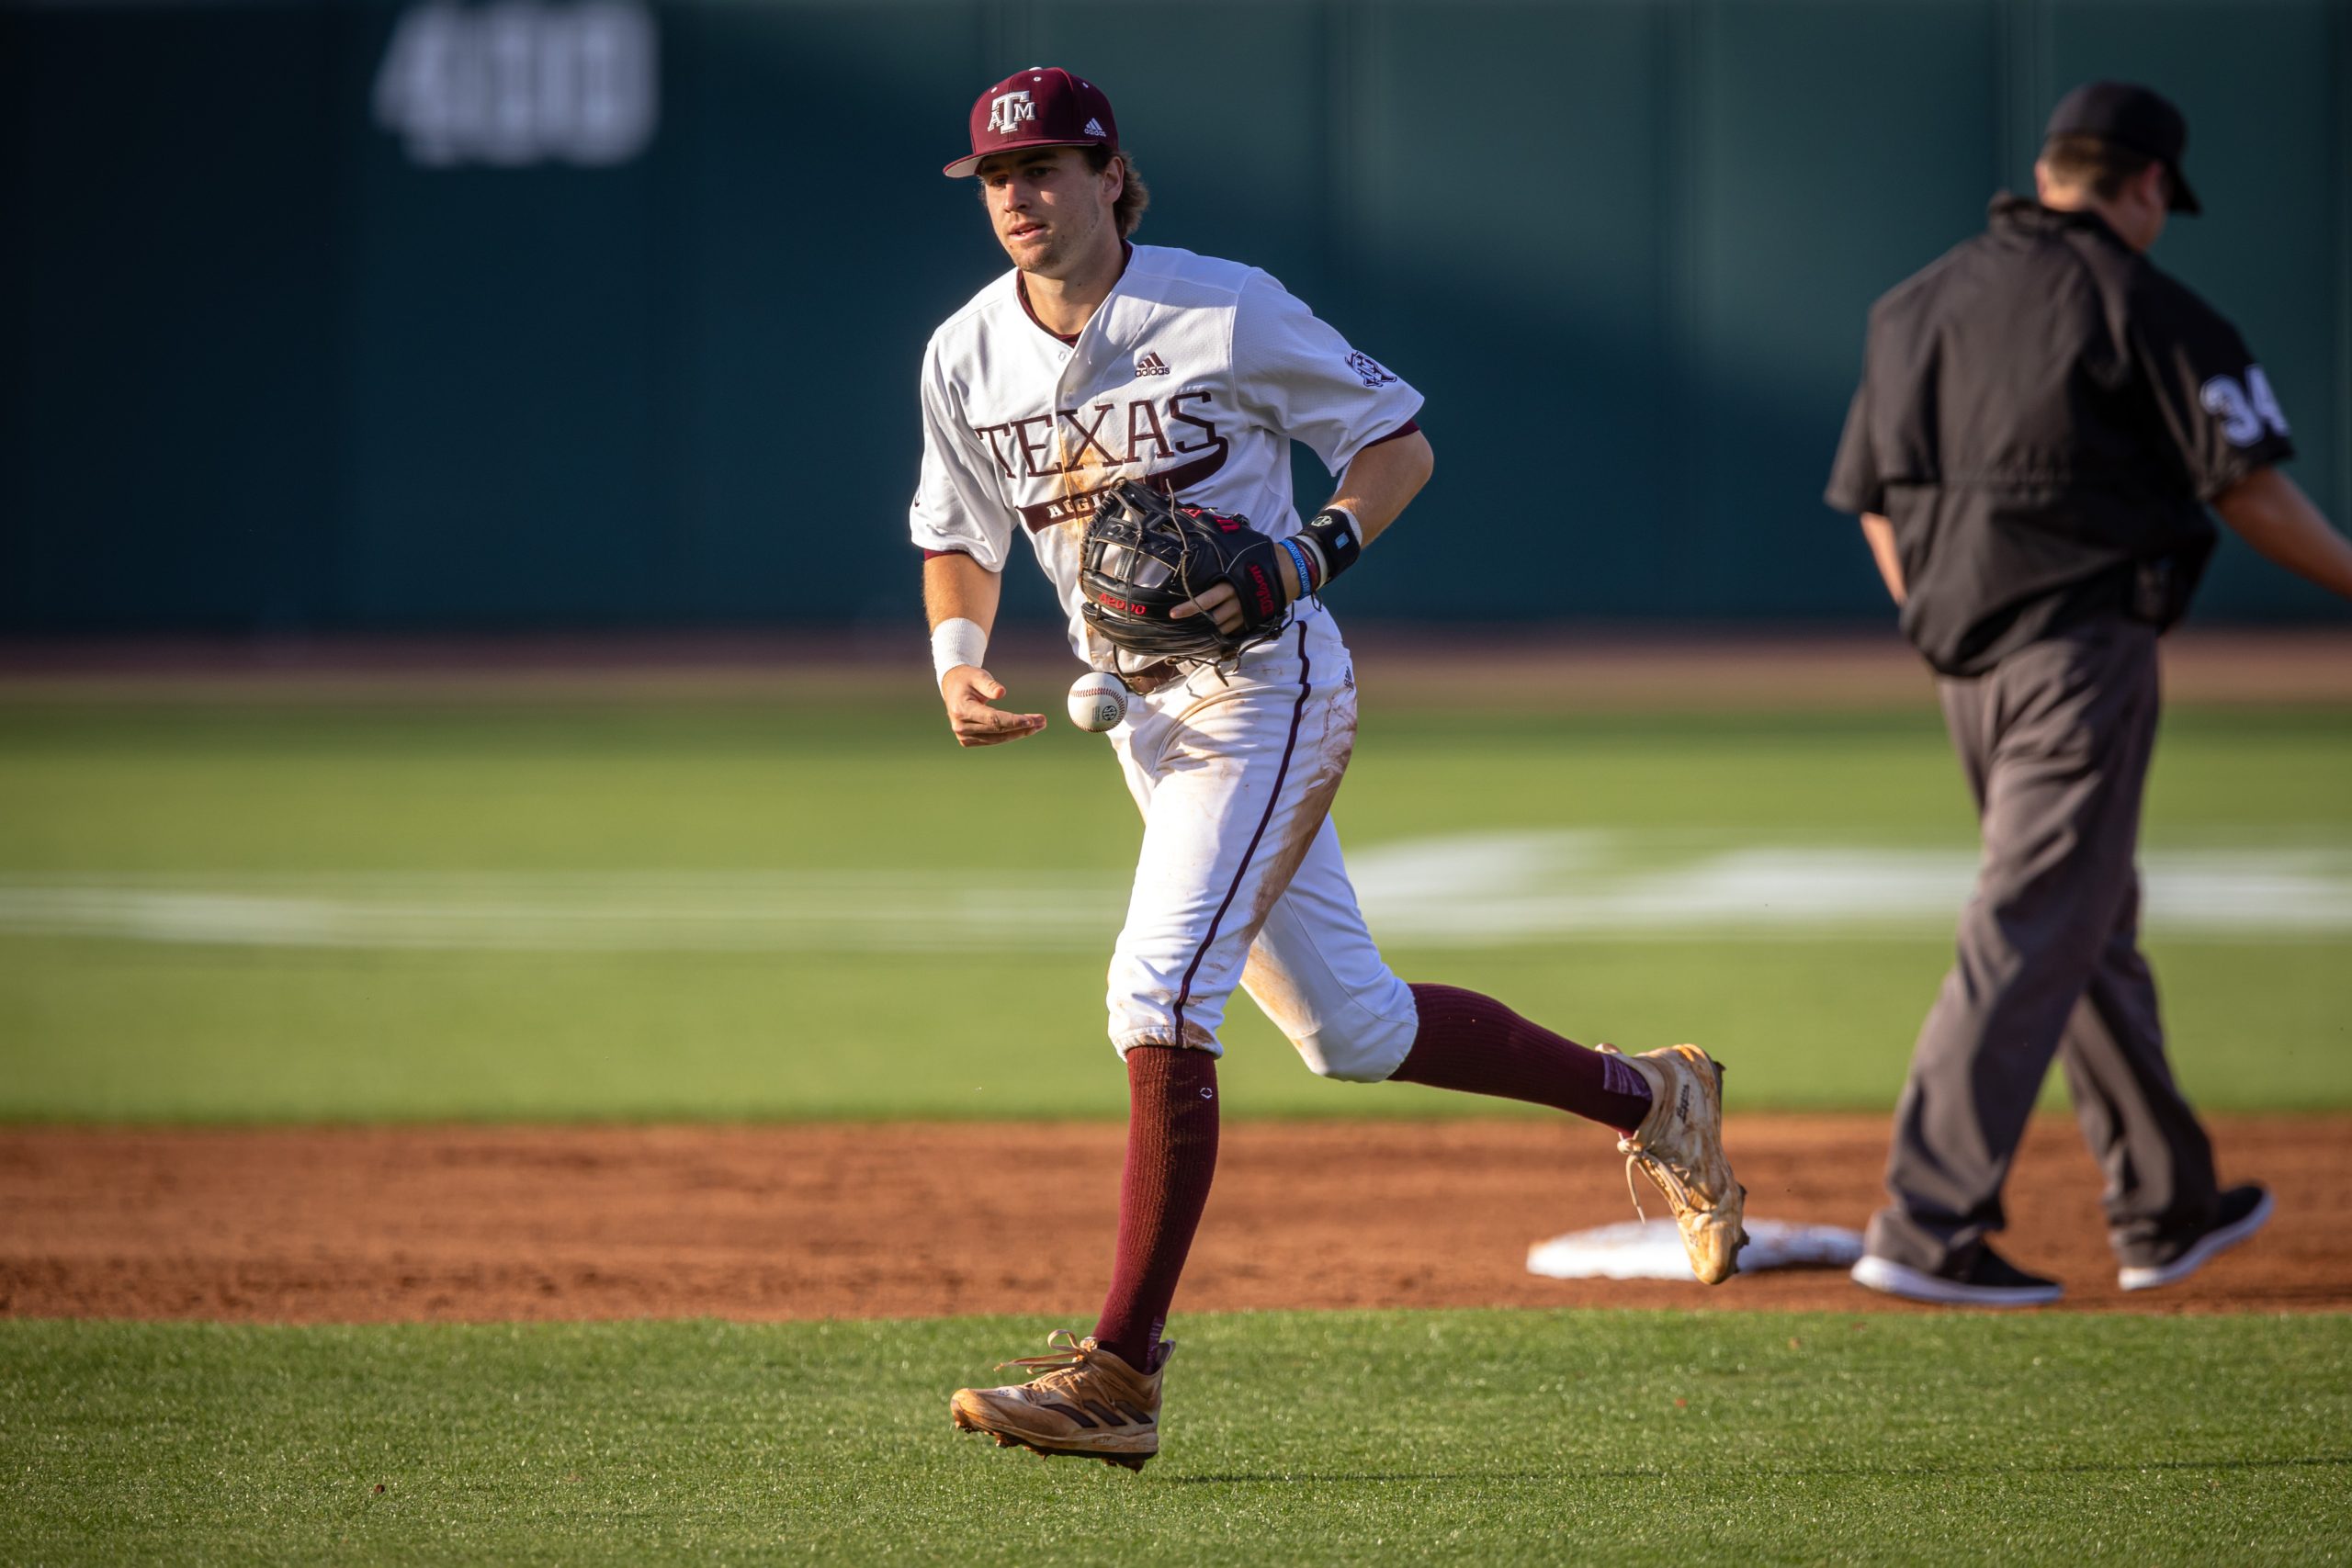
x,y
1050,212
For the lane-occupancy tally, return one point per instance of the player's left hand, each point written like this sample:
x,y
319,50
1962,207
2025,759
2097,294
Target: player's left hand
x,y
1222,605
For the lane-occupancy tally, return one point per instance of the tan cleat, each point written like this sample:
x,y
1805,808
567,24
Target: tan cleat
x,y
1088,1403
1679,1146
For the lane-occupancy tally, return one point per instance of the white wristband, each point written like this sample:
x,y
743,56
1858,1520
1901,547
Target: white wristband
x,y
956,641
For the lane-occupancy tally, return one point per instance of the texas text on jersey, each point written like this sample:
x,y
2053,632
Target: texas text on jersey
x,y
1193,374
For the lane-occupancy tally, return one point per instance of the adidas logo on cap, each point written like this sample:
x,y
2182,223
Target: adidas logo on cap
x,y
1094,128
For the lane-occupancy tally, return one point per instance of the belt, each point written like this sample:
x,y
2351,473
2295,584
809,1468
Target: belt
x,y
1146,679
1151,677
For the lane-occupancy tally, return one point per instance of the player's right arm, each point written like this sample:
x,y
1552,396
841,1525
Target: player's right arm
x,y
1880,532
960,521
958,588
1856,486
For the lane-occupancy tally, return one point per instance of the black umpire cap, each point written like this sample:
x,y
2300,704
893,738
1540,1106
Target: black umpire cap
x,y
2133,117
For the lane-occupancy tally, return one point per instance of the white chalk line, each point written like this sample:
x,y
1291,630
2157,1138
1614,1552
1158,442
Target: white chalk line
x,y
1469,890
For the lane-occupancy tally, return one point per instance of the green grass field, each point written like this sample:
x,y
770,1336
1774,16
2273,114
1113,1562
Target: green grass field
x,y
653,809
733,910
1339,1437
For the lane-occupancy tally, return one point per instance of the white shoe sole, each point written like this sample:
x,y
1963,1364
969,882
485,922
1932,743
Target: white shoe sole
x,y
2210,1245
1912,1284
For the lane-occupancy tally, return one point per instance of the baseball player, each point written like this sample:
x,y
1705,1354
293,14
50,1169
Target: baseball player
x,y
2042,419
1097,368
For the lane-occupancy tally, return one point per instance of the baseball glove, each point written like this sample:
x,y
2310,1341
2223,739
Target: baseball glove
x,y
1144,555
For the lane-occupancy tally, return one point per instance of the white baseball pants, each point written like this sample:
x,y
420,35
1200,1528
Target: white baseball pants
x,y
1240,878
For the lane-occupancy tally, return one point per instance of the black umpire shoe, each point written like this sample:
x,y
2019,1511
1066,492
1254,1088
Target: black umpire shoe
x,y
1987,1279
2243,1211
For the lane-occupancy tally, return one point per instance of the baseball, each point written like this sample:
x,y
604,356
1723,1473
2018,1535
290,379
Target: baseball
x,y
1097,700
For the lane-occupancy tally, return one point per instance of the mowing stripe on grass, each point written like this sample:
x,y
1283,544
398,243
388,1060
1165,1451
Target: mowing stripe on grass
x,y
1471,890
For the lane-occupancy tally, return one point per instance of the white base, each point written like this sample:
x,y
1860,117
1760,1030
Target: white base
x,y
1652,1249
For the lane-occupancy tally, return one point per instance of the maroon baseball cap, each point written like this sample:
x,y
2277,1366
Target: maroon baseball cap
x,y
1042,107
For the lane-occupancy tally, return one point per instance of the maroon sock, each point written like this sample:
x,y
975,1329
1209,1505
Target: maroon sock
x,y
1477,1045
1172,1155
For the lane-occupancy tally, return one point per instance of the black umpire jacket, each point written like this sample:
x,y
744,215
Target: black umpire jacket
x,y
2042,416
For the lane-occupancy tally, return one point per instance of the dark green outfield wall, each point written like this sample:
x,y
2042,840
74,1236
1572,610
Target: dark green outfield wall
x,y
263,369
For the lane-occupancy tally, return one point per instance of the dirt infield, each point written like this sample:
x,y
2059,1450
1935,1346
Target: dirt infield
x,y
386,1224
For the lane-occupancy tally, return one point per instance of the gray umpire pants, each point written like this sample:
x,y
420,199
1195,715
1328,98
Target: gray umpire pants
x,y
2055,741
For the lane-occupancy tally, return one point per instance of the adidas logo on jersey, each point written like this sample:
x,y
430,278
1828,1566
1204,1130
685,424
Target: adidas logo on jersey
x,y
1151,365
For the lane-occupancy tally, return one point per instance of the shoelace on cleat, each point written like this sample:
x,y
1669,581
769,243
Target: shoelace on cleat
x,y
1676,1191
1067,1352
1067,1358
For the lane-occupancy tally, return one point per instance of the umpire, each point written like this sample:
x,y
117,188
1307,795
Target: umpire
x,y
2043,419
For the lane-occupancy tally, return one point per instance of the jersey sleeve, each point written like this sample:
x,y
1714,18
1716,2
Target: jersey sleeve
x,y
957,507
1300,376
1855,483
2216,402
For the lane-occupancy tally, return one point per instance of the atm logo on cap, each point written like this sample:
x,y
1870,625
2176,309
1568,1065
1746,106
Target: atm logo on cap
x,y
1008,110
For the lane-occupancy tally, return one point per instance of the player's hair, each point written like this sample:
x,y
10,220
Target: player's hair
x,y
1134,197
2093,163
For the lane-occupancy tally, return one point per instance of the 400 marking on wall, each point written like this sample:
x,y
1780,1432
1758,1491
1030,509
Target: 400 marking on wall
x,y
519,81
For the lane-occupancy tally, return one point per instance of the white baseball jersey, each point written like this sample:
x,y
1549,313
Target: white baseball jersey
x,y
1195,373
